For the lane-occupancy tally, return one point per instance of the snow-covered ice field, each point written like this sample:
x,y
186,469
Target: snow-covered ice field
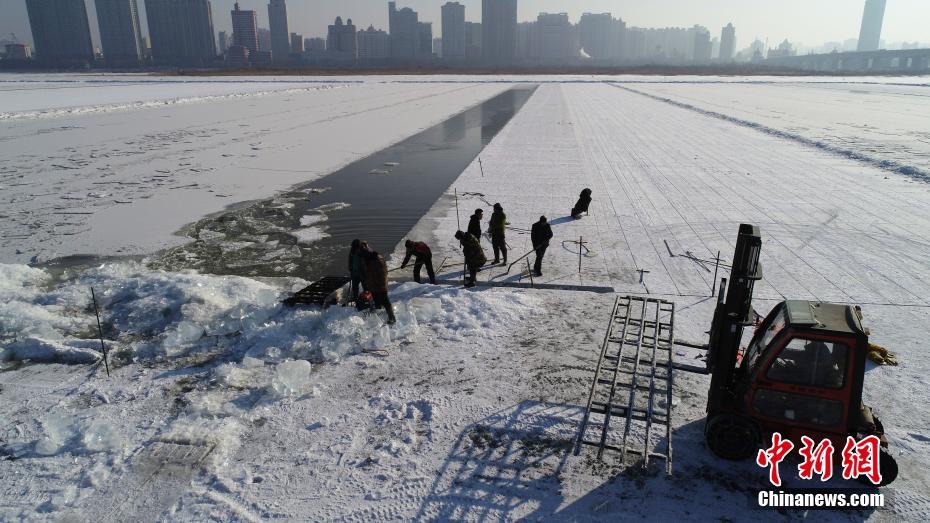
x,y
222,405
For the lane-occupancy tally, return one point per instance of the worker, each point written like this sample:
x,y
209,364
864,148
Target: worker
x,y
540,235
376,282
497,226
422,255
582,205
356,266
474,256
474,224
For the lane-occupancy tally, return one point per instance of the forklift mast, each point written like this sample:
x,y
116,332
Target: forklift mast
x,y
732,314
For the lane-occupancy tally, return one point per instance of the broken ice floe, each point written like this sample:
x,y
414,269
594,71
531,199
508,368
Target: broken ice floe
x,y
63,433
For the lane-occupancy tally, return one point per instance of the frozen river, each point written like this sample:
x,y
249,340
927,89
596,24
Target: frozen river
x,y
466,408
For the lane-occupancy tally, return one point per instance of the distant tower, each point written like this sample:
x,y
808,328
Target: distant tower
x,y
405,32
499,31
120,31
871,32
280,36
245,29
453,31
191,43
60,31
727,43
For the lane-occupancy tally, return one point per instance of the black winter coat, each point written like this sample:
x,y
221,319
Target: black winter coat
x,y
474,226
541,234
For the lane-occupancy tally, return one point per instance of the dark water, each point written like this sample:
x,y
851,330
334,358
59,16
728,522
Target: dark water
x,y
383,207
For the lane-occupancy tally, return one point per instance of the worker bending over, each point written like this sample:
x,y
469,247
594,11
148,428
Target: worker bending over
x,y
422,255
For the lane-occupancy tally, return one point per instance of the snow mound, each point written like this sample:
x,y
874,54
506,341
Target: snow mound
x,y
38,350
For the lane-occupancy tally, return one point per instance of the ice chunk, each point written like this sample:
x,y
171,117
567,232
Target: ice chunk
x,y
310,234
58,431
313,219
184,334
291,378
99,435
335,206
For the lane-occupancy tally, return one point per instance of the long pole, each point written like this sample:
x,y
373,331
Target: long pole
x,y
458,221
103,348
713,286
482,166
580,246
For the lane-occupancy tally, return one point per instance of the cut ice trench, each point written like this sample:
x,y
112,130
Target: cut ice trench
x,y
304,232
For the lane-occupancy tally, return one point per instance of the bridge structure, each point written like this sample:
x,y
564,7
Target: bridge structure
x,y
906,61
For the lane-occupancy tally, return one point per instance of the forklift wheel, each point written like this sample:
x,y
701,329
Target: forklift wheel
x,y
731,437
889,467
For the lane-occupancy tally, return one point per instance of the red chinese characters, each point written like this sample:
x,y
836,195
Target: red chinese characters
x,y
817,459
861,459
773,456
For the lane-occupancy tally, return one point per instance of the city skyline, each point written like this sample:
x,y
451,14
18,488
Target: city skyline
x,y
827,21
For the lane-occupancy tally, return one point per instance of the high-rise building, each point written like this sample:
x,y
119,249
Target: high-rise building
x,y
870,34
405,32
473,40
342,42
17,52
245,28
60,31
315,47
424,39
453,31
499,31
437,47
600,35
373,44
727,43
181,32
264,40
297,43
558,41
277,23
120,31
224,42
703,48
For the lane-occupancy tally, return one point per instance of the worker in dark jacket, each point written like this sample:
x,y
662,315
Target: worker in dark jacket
x,y
474,256
356,265
540,235
582,205
376,282
422,255
497,226
474,224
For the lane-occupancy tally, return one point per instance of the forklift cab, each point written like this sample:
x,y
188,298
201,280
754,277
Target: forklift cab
x,y
802,373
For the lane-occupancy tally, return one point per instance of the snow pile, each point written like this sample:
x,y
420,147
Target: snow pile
x,y
158,315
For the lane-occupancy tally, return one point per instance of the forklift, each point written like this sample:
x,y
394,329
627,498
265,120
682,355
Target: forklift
x,y
801,375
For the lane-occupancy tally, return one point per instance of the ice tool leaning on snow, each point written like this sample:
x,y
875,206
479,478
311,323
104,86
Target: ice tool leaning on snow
x,y
422,255
474,256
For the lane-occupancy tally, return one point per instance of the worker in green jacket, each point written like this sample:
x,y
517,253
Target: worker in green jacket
x,y
497,227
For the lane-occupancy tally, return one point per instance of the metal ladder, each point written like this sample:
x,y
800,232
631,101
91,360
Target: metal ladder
x,y
633,377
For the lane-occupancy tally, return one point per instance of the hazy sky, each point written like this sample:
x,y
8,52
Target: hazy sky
x,y
808,22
